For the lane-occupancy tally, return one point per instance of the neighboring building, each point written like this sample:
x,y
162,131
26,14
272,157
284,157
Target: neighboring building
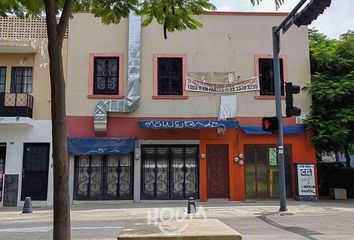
x,y
166,145
25,126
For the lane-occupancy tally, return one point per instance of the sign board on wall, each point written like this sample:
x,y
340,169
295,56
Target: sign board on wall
x,y
250,84
306,184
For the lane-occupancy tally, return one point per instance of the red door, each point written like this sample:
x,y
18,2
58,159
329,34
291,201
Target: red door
x,y
218,171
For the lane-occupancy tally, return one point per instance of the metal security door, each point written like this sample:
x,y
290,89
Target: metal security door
x,y
169,172
217,171
35,171
108,177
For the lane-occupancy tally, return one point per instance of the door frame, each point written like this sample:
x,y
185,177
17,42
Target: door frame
x,y
203,181
22,197
227,172
287,146
2,184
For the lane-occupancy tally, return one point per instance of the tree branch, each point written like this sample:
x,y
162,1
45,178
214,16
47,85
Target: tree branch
x,y
51,19
64,19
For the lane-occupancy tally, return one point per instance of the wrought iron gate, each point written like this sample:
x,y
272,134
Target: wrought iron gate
x,y
108,177
170,172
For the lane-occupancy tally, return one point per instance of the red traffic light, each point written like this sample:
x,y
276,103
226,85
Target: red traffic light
x,y
270,124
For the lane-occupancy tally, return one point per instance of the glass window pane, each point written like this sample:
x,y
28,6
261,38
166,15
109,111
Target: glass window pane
x,y
21,80
250,171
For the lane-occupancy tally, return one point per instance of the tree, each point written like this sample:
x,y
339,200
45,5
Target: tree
x,y
332,89
172,14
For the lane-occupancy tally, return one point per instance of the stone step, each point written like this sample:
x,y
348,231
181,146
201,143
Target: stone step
x,y
187,229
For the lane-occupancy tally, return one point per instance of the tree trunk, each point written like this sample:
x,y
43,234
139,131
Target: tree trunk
x,y
347,156
61,223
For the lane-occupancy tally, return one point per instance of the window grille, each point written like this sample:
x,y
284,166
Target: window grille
x,y
106,75
170,76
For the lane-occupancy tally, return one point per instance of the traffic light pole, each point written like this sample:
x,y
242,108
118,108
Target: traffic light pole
x,y
277,83
285,25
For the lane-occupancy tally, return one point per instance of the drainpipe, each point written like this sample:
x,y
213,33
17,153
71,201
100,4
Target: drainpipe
x,y
132,101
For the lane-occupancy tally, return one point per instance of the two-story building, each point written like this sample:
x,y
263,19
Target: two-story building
x,y
25,125
150,118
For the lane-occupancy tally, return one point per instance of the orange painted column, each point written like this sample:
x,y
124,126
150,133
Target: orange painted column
x,y
203,173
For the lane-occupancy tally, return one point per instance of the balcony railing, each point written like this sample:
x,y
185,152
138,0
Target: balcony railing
x,y
16,105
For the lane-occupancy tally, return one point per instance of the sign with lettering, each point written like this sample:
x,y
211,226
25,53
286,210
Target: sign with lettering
x,y
193,124
306,184
272,156
250,84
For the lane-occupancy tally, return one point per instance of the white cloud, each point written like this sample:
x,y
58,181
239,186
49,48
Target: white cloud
x,y
337,19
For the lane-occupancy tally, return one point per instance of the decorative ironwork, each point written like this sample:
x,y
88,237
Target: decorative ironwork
x,y
21,80
107,177
106,74
170,74
16,105
170,172
266,76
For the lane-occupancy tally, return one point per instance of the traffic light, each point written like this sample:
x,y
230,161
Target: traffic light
x,y
291,89
270,124
311,12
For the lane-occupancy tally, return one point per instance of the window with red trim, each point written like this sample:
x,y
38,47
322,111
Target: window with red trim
x,y
106,76
170,76
266,76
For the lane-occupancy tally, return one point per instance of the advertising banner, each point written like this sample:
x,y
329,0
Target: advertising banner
x,y
250,84
306,184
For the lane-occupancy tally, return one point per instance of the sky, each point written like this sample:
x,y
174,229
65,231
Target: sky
x,y
337,19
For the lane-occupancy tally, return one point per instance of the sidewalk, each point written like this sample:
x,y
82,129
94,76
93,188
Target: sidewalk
x,y
214,209
326,219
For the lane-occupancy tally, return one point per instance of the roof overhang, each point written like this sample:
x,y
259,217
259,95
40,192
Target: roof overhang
x,y
16,121
17,47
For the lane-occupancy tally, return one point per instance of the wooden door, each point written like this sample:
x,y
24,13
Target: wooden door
x,y
218,171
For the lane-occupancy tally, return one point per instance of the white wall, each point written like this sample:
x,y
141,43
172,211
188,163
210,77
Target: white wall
x,y
15,136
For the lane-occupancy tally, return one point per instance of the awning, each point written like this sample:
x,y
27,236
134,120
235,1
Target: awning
x,y
257,130
100,146
191,124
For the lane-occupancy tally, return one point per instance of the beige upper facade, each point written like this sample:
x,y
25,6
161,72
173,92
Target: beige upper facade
x,y
226,43
23,44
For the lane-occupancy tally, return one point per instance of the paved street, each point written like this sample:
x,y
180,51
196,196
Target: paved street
x,y
254,220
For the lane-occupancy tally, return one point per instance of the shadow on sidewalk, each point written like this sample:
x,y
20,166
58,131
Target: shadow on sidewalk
x,y
304,232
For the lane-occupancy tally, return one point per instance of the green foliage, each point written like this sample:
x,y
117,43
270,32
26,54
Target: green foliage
x,y
174,14
332,90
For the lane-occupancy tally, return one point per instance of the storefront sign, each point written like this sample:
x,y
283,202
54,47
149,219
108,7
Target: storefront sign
x,y
193,124
272,156
250,84
306,185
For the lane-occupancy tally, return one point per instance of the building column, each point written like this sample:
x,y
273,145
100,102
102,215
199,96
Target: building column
x,y
137,171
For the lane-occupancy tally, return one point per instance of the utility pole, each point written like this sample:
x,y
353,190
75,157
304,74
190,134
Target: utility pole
x,y
303,18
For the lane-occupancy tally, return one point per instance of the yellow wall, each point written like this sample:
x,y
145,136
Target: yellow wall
x,y
40,78
225,43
